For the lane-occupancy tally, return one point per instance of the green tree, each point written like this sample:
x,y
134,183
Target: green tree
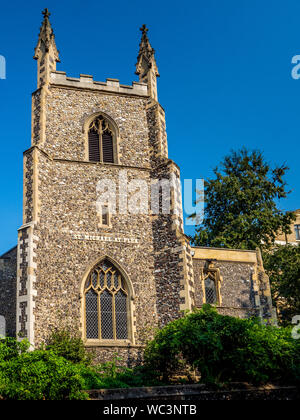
x,y
241,209
283,267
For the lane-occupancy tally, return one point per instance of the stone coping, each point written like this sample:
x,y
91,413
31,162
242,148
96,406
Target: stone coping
x,y
59,78
224,249
225,254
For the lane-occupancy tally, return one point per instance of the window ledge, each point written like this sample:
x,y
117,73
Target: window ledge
x,y
110,343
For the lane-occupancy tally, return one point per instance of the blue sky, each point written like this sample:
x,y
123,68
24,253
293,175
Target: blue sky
x,y
225,78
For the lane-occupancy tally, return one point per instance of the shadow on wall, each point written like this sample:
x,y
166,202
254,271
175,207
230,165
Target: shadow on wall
x,y
249,301
2,326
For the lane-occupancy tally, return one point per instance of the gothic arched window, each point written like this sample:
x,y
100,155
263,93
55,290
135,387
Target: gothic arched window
x,y
106,304
211,295
101,141
211,283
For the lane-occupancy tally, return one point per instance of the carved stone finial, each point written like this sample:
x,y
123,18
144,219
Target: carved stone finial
x,y
144,29
146,66
46,38
45,51
46,13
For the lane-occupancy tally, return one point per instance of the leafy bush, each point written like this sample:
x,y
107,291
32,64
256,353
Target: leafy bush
x,y
113,375
40,375
62,343
223,349
59,370
11,348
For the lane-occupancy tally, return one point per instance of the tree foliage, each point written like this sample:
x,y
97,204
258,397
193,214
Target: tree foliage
x,y
283,267
241,210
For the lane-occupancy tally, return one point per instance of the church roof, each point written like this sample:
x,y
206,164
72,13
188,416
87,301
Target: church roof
x,y
6,254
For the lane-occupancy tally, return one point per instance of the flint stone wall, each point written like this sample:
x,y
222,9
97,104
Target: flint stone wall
x,y
236,288
8,281
67,111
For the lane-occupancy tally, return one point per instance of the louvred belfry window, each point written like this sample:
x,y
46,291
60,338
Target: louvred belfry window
x,y
106,304
100,141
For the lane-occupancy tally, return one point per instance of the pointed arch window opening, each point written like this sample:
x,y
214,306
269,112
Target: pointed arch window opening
x,y
106,304
211,295
101,141
211,284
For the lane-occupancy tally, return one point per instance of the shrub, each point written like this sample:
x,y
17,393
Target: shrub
x,y
224,348
62,343
113,375
41,375
11,348
59,370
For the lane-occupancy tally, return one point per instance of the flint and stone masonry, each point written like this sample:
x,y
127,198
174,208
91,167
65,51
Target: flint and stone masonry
x,y
61,239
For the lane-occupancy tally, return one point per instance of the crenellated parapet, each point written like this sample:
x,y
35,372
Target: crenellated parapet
x,y
59,78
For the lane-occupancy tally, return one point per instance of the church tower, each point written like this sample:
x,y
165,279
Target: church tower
x,y
102,249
